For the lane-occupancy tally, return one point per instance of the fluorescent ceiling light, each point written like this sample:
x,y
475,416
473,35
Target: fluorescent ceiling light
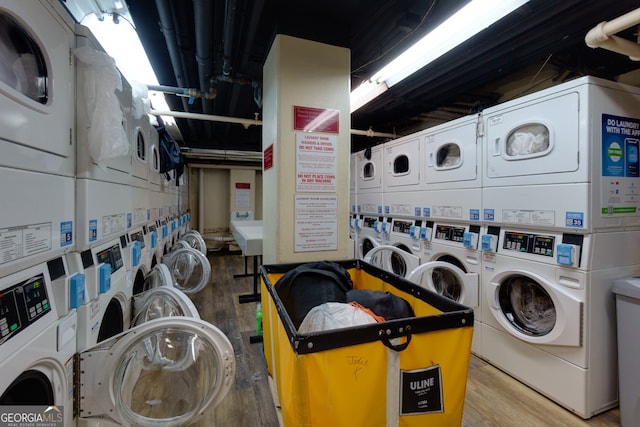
x,y
121,42
464,24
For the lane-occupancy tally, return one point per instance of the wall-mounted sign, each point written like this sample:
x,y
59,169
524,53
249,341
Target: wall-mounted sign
x,y
316,222
267,158
309,119
316,162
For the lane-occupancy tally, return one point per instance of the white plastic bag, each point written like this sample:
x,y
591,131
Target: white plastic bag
x,y
140,99
107,137
334,315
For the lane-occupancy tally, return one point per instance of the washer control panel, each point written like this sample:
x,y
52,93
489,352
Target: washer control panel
x,y
22,305
535,244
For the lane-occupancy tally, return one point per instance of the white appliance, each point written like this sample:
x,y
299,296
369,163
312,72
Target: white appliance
x,y
37,344
353,205
401,182
141,146
451,177
166,371
194,240
456,244
107,310
403,233
369,180
369,233
548,316
37,165
564,158
138,254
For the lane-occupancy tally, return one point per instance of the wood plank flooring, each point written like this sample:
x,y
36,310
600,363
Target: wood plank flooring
x,y
493,399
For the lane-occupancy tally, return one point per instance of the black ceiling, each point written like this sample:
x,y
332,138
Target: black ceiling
x,y
220,47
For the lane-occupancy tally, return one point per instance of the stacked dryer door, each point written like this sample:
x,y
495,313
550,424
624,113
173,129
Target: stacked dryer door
x,y
564,158
451,180
370,201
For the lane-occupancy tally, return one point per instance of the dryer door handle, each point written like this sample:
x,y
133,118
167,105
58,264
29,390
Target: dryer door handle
x,y
496,147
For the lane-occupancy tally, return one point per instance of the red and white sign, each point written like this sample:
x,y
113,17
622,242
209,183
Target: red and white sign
x,y
309,119
267,158
316,157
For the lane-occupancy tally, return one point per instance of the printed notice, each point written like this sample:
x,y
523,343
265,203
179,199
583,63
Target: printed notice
x,y
620,165
20,242
316,162
316,222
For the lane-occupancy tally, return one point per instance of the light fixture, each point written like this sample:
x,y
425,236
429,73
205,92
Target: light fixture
x,y
464,24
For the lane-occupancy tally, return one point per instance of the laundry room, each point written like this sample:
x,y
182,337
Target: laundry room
x,y
177,178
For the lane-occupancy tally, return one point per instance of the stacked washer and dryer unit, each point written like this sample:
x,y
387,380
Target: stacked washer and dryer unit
x,y
562,208
536,201
39,296
73,239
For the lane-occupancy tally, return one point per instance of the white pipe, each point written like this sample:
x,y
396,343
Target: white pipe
x,y
201,201
249,122
602,35
210,117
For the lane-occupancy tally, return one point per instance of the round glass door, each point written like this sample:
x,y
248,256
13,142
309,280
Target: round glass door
x,y
442,278
195,240
394,259
158,276
166,372
161,302
189,268
527,306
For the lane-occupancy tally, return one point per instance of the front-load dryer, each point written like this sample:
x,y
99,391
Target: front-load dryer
x,y
564,158
37,90
451,179
167,371
369,181
37,345
548,316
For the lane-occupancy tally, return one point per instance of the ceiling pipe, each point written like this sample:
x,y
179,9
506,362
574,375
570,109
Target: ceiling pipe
x,y
602,35
229,23
249,122
202,13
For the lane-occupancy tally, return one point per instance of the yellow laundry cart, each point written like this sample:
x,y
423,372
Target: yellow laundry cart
x,y
405,372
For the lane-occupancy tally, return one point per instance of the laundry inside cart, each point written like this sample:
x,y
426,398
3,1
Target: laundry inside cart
x,y
410,370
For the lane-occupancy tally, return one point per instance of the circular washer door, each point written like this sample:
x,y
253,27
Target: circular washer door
x,y
392,259
445,279
527,306
161,302
189,268
195,240
166,372
159,276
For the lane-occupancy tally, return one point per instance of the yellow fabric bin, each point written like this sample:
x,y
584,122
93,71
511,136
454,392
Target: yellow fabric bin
x,y
404,372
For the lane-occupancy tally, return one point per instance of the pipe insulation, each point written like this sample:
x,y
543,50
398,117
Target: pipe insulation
x,y
250,122
603,35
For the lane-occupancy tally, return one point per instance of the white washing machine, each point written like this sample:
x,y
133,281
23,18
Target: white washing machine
x,y
107,310
549,312
456,244
37,164
166,371
37,345
451,177
369,233
141,144
403,233
564,158
392,259
138,253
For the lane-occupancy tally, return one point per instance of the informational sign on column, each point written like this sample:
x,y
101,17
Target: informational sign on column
x,y
243,194
316,162
316,222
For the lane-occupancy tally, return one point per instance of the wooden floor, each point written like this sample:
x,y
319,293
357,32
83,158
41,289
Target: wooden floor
x,y
493,399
